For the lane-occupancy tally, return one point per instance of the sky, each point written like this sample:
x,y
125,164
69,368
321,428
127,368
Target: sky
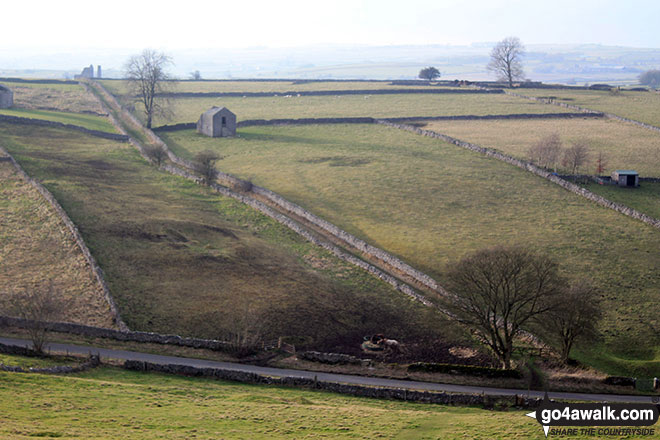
x,y
44,26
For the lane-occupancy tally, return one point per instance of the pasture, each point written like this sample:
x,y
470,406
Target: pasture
x,y
432,203
379,106
179,258
624,146
640,106
109,403
92,122
36,248
645,199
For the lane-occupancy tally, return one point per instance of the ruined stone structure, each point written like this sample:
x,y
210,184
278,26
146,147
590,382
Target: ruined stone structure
x,y
87,72
6,97
217,122
98,72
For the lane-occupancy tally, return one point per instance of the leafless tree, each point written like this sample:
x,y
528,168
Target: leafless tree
x,y
146,74
576,156
196,75
499,290
505,60
156,152
575,317
245,330
205,165
38,306
546,152
429,73
650,78
601,163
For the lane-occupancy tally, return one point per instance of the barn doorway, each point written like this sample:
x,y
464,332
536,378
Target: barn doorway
x,y
630,180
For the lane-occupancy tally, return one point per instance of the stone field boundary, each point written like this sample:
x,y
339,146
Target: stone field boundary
x,y
77,237
293,93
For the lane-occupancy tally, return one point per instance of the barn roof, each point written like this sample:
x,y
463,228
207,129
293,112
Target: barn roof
x,y
626,172
215,110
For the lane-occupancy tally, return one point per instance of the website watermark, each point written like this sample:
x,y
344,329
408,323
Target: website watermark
x,y
596,419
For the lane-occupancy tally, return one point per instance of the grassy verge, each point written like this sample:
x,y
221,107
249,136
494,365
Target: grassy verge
x,y
640,106
181,259
37,249
432,203
645,199
111,403
91,122
624,146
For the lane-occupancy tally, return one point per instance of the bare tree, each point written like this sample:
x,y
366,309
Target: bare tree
x,y
196,75
245,332
38,306
650,78
499,290
156,152
205,165
505,60
546,152
429,73
601,163
575,317
146,74
576,156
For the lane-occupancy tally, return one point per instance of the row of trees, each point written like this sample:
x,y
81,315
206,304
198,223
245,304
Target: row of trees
x,y
549,153
500,292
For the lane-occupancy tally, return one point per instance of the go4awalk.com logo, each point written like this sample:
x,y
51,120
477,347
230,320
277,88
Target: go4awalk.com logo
x,y
596,419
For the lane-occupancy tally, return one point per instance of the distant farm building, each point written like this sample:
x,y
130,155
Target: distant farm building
x,y
217,122
6,97
625,178
88,72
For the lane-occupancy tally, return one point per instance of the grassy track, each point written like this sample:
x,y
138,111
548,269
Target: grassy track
x,y
431,203
180,258
625,146
399,105
91,122
36,249
108,403
640,106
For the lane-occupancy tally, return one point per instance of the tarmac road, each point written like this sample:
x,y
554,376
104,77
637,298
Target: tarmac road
x,y
327,377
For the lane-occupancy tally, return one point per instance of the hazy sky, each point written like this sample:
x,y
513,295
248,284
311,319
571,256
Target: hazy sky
x,y
247,23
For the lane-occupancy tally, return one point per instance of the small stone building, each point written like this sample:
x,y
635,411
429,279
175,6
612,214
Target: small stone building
x,y
628,178
6,97
217,122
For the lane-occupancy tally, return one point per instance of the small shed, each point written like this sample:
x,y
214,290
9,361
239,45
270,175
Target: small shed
x,y
217,122
6,97
628,178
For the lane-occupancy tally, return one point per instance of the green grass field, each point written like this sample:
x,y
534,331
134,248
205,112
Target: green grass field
x,y
640,106
181,259
54,86
108,403
381,106
91,122
625,146
37,249
432,203
645,199
121,88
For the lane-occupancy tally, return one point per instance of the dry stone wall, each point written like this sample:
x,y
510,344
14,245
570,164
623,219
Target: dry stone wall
x,y
329,93
355,390
96,270
533,169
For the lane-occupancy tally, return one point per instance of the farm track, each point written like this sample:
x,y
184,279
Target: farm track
x,y
310,232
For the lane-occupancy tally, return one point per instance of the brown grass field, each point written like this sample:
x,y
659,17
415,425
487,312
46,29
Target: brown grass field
x,y
74,100
625,146
36,248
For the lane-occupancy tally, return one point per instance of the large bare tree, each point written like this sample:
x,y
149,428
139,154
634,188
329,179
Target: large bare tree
x,y
506,60
499,290
576,156
146,74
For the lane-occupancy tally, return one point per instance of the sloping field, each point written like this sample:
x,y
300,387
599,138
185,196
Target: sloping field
x,y
625,146
180,258
92,122
381,106
108,403
59,97
640,106
431,203
37,248
120,87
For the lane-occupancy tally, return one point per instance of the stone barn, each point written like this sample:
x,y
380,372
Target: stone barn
x,y
628,178
6,97
217,122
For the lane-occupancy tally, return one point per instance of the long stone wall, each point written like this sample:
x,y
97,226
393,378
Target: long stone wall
x,y
433,91
533,169
96,270
45,123
355,390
